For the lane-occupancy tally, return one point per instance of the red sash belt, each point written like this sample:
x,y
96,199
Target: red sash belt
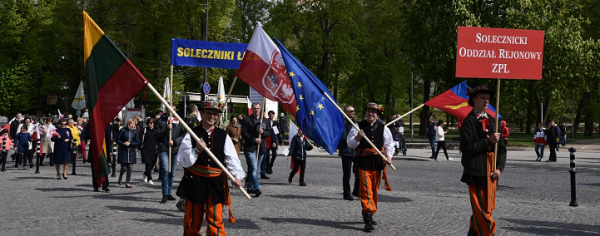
x,y
369,152
373,152
211,172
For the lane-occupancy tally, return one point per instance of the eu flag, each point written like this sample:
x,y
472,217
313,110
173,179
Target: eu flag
x,y
316,116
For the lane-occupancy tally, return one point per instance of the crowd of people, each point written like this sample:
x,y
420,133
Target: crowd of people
x,y
162,143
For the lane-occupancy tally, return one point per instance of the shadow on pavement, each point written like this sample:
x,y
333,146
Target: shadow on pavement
x,y
150,211
552,228
318,222
281,183
240,224
304,197
386,198
63,189
591,184
175,221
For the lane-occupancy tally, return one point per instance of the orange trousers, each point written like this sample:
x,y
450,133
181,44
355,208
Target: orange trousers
x,y
369,184
194,216
481,221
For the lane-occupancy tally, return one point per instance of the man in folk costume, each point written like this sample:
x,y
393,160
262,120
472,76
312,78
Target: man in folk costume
x,y
477,140
370,164
204,185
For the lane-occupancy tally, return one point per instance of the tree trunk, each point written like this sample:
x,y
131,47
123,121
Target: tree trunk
x,y
546,108
580,107
424,115
521,124
529,116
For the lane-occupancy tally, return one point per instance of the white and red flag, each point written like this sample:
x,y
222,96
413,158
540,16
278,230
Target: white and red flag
x,y
249,106
7,126
264,70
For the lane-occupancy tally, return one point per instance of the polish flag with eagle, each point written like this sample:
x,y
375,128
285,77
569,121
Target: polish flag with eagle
x,y
264,70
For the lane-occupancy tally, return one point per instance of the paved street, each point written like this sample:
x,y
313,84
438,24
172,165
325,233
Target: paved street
x,y
428,199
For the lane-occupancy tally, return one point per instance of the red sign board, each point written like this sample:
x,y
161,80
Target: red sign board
x,y
499,53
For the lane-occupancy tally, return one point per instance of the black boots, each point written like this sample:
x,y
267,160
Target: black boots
x,y
368,219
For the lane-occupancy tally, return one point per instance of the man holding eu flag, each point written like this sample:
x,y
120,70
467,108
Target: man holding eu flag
x,y
369,163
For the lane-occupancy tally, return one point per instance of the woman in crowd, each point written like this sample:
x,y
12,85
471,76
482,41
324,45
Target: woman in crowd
x,y
234,130
128,140
440,139
81,147
76,140
47,144
62,147
148,148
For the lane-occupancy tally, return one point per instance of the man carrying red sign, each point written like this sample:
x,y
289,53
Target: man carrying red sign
x,y
490,53
477,140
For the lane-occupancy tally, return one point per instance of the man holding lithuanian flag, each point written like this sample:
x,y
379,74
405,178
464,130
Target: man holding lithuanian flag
x,y
111,81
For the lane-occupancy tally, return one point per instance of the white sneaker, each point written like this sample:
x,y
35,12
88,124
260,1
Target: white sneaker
x,y
436,159
146,179
150,182
450,159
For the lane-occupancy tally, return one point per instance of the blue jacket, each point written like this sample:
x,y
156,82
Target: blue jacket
x,y
431,130
22,141
296,148
343,148
127,154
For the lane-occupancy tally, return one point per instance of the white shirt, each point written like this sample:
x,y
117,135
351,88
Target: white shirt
x,y
388,140
187,156
439,133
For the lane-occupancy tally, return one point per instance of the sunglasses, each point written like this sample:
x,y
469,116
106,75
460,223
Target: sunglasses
x,y
352,111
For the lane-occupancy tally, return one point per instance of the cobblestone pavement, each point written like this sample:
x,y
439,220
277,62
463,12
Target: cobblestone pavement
x,y
428,199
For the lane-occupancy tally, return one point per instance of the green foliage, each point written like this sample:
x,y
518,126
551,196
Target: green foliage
x,y
351,45
15,88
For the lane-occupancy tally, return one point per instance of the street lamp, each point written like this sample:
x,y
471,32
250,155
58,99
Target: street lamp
x,y
412,84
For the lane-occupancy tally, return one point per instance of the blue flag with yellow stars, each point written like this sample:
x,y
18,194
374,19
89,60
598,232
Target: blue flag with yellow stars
x,y
316,116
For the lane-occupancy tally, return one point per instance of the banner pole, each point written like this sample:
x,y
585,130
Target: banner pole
x,y
405,114
195,137
170,114
497,118
357,128
260,125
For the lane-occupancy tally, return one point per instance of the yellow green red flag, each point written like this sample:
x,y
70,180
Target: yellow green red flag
x,y
111,81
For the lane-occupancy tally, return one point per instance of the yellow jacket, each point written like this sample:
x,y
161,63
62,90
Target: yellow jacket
x,y
75,133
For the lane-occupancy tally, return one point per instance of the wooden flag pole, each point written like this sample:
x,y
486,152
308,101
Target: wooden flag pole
x,y
170,114
195,137
260,126
405,114
497,118
357,128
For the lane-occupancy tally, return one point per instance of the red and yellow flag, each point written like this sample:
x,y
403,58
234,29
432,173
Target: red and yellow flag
x,y
111,81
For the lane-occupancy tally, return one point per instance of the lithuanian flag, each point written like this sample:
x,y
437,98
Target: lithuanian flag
x,y
111,81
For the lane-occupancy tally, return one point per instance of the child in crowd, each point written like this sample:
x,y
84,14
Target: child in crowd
x,y
7,145
23,138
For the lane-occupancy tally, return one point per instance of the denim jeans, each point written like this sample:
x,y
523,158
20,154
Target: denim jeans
x,y
267,162
432,143
252,178
539,153
564,140
166,179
